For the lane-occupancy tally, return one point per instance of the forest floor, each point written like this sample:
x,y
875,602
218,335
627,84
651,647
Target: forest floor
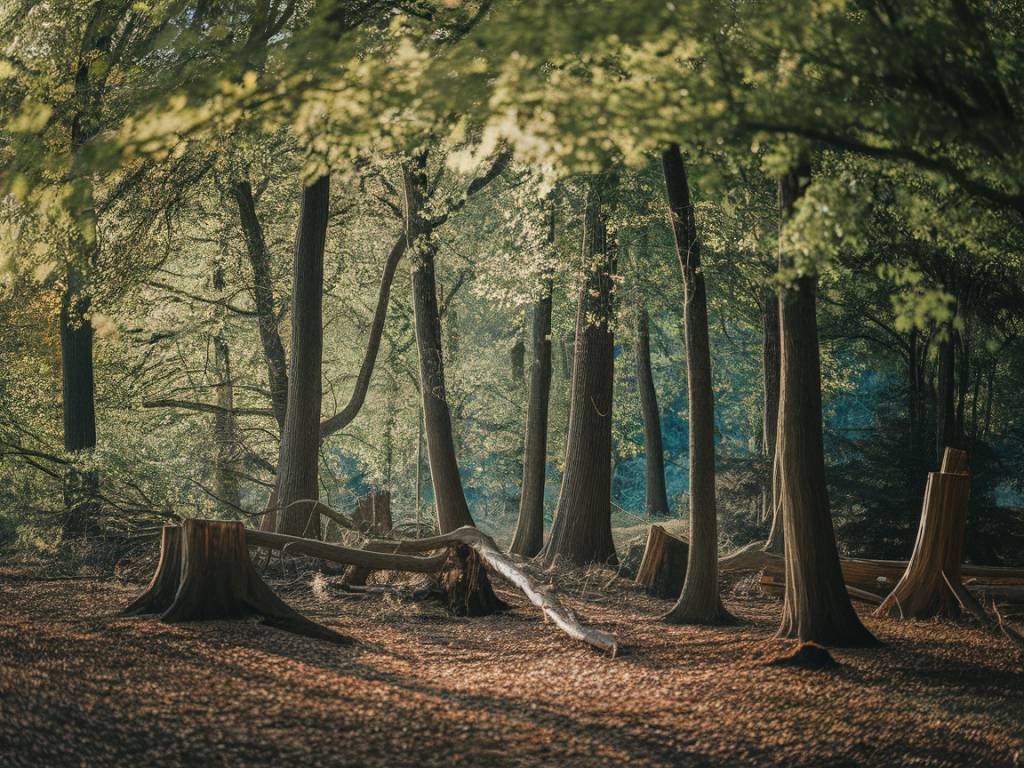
x,y
80,685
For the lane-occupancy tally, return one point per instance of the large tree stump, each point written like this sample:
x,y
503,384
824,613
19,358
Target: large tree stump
x,y
218,581
373,517
164,585
663,569
923,591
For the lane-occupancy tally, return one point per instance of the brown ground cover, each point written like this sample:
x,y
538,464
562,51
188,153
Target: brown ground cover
x,y
81,686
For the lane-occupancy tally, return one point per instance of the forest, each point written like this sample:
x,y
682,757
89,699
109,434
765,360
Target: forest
x,y
512,382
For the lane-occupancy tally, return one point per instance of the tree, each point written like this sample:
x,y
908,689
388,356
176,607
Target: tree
x,y
581,532
817,607
699,602
300,440
529,536
656,501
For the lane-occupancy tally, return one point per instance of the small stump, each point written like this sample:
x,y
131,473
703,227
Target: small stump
x,y
663,569
467,590
218,581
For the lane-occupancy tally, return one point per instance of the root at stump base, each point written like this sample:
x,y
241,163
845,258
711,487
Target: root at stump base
x,y
164,585
806,656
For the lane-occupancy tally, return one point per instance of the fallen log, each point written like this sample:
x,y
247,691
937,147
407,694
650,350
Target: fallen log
x,y
401,555
543,598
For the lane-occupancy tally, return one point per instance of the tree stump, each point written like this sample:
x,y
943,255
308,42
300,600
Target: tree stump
x,y
218,581
923,591
164,585
663,569
468,591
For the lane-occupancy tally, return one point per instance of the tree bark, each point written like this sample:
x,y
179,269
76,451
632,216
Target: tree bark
x,y
224,428
817,607
663,568
79,408
529,537
449,498
945,397
298,465
263,298
771,356
656,496
218,581
582,532
699,602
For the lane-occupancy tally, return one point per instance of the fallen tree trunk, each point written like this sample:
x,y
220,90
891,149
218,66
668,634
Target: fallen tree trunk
x,y
402,556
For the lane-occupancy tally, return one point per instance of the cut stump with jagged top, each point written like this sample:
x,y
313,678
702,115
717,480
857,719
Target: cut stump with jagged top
x,y
663,568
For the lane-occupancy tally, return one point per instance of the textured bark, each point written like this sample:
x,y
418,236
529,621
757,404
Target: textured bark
x,y
218,581
945,406
164,585
817,607
581,532
79,408
300,440
449,498
529,536
263,298
770,377
699,602
663,569
224,429
925,589
656,498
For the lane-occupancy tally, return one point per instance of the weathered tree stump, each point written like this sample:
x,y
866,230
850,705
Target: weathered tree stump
x,y
663,569
468,591
923,591
218,581
372,516
164,585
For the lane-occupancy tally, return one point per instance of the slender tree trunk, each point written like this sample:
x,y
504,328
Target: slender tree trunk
x,y
771,360
945,396
449,498
298,465
529,536
263,298
989,394
656,502
817,607
699,602
224,429
76,338
582,530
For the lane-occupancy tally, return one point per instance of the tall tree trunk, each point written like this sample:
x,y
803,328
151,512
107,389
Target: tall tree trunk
x,y
817,607
449,498
771,360
699,602
529,536
656,501
582,530
79,409
297,464
224,429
